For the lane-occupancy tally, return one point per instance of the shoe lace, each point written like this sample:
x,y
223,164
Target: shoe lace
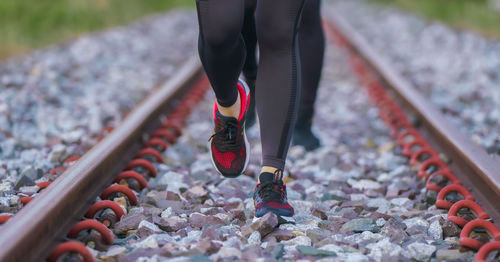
x,y
275,189
226,134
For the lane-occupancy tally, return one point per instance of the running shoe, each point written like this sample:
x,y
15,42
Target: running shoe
x,y
228,144
270,195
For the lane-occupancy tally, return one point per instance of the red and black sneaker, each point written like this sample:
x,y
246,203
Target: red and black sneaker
x,y
270,196
229,145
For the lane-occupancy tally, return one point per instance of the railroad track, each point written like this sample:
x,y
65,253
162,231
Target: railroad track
x,y
53,213
434,144
155,124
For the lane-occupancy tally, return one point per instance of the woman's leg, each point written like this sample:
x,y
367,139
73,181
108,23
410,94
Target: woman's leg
x,y
250,36
312,49
278,81
222,53
278,93
250,67
221,46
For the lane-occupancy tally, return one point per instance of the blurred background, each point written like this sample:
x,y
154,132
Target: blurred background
x,y
478,15
31,24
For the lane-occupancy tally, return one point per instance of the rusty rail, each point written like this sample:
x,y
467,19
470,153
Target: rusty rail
x,y
31,234
470,163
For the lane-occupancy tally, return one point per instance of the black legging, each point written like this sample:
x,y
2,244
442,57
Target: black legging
x,y
312,50
311,46
249,33
222,51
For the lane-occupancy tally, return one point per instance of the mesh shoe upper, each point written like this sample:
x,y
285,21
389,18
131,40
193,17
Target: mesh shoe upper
x,y
270,196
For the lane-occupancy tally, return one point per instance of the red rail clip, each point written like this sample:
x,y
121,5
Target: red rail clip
x,y
486,249
71,246
139,162
104,204
132,198
471,205
106,235
133,175
434,161
444,173
467,241
445,204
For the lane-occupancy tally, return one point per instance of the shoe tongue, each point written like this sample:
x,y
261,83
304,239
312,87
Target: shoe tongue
x,y
266,177
225,118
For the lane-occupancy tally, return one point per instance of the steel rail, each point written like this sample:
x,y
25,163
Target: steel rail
x,y
32,233
472,165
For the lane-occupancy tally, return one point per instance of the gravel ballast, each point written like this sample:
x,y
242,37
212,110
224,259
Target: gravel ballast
x,y
355,198
459,71
55,102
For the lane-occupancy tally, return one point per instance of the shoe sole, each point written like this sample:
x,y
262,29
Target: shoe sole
x,y
278,212
247,144
281,219
286,220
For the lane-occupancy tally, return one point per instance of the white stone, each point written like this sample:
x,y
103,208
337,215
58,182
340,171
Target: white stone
x,y
402,202
402,170
173,180
193,235
227,252
358,197
167,212
233,242
115,250
224,217
149,225
383,248
333,248
338,175
149,242
380,222
299,240
415,221
73,136
301,206
381,204
254,238
435,230
57,153
399,171
419,251
364,237
348,256
29,189
5,201
363,184
5,186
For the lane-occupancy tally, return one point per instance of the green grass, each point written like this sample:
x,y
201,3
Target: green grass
x,y
476,15
30,24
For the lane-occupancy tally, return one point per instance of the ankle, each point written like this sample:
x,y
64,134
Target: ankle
x,y
231,111
278,173
268,169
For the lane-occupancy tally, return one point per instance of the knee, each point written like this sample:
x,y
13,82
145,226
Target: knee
x,y
221,38
275,35
222,34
